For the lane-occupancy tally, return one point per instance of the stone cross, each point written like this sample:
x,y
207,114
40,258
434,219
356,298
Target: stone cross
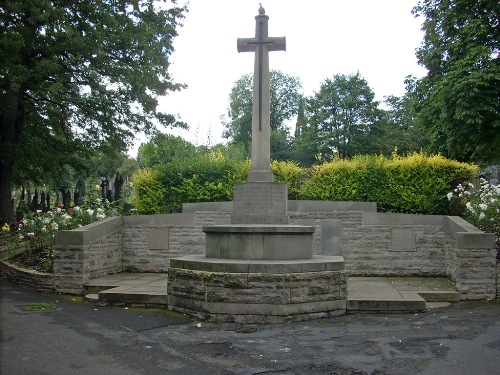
x,y
261,44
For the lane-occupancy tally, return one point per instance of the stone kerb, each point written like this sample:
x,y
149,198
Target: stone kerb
x,y
471,260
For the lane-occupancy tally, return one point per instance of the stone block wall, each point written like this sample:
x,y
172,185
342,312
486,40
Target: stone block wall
x,y
395,245
471,259
257,297
149,242
82,254
372,244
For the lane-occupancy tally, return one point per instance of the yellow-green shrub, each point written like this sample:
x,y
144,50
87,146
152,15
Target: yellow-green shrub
x,y
291,173
148,193
417,183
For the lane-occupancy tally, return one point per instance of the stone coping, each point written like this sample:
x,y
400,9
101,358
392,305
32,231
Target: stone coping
x,y
317,263
293,206
259,228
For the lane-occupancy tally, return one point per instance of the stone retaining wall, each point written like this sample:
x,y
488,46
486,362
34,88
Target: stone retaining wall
x,y
372,244
43,282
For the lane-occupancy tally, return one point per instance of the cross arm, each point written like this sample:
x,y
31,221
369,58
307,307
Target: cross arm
x,y
246,44
276,44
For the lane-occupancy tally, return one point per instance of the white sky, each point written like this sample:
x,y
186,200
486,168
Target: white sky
x,y
378,38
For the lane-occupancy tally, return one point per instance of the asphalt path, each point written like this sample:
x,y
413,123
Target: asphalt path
x,y
80,338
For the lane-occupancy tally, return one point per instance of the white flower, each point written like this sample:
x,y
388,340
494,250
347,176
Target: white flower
x,y
90,211
449,195
54,226
483,206
471,185
468,205
76,208
460,195
101,216
66,217
38,211
482,216
31,234
44,229
21,237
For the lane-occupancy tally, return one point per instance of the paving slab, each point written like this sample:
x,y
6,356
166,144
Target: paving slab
x,y
383,294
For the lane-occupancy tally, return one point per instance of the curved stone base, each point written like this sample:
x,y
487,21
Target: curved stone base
x,y
221,290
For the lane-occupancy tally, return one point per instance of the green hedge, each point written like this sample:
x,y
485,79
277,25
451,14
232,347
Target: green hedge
x,y
417,183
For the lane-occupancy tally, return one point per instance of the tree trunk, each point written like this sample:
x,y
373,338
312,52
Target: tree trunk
x,y
11,127
6,211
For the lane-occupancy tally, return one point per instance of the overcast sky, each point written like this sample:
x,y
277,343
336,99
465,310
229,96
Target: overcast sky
x,y
376,38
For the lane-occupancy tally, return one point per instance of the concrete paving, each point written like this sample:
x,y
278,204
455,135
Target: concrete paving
x,y
383,294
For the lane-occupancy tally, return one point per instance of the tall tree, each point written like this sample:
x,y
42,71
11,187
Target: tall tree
x,y
461,92
342,111
284,102
401,129
163,148
77,75
305,140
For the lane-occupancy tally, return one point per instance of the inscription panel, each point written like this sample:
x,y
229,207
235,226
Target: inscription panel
x,y
260,198
403,239
158,238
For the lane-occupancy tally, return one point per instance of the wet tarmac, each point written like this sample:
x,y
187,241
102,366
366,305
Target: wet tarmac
x,y
77,337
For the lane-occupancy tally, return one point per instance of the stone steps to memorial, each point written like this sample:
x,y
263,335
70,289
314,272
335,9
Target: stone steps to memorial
x,y
365,294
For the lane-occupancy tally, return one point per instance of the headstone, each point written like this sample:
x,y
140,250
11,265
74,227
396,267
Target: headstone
x,y
42,202
261,44
104,183
80,192
118,187
35,203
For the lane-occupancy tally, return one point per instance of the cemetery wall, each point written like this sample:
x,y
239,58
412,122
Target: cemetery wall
x,y
372,244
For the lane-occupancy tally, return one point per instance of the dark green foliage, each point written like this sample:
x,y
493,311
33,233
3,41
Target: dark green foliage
x,y
343,111
76,76
284,103
460,103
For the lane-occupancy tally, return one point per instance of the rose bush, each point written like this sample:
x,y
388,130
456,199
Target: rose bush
x,y
36,232
480,205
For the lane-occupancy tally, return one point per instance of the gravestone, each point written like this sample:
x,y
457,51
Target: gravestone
x,y
79,192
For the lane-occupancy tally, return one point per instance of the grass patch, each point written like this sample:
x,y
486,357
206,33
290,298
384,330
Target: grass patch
x,y
39,307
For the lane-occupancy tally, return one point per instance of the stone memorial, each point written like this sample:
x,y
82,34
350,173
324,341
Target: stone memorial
x,y
259,268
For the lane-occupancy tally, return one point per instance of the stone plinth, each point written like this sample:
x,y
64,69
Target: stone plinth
x,y
274,242
259,291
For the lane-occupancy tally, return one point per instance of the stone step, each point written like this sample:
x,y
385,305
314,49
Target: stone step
x,y
130,295
440,296
92,297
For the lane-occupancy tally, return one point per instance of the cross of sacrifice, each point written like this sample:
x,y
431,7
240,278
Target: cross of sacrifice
x,y
261,44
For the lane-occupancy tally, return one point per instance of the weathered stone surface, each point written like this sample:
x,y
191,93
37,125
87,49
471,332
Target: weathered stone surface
x,y
243,297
